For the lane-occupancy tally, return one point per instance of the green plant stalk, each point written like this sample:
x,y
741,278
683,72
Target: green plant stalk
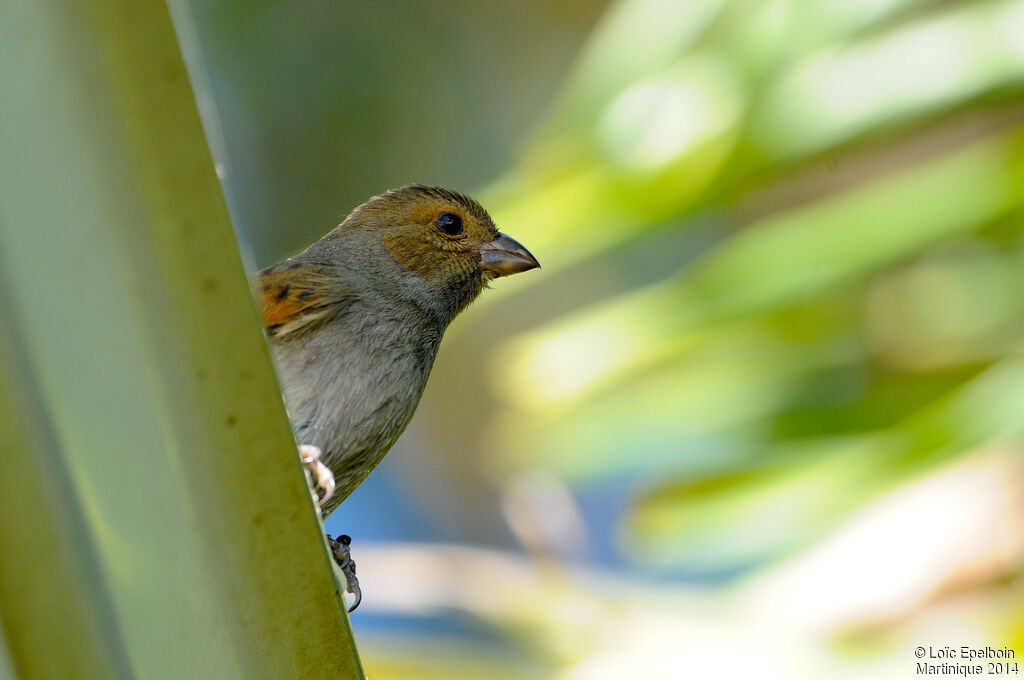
x,y
156,521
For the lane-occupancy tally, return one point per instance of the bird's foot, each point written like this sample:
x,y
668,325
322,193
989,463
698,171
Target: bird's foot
x,y
343,557
323,478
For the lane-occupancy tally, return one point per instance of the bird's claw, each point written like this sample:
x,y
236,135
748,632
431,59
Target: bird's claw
x,y
323,478
343,557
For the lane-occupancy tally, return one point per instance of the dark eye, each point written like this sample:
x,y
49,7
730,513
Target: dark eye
x,y
449,223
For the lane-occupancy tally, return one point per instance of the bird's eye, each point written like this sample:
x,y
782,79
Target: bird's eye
x,y
449,223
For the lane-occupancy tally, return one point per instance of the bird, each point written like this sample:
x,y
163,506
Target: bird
x,y
355,320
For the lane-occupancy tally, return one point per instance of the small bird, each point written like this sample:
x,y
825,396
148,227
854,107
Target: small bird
x,y
356,319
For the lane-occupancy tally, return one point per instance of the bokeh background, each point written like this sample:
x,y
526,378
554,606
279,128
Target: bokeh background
x,y
761,414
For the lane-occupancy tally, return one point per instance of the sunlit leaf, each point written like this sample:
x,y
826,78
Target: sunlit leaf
x,y
767,510
843,92
783,259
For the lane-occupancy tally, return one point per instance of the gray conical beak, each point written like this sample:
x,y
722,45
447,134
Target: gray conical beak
x,y
505,256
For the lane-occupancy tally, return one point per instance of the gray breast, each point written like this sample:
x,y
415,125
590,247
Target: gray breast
x,y
352,386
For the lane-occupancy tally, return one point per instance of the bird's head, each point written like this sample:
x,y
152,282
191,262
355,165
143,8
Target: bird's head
x,y
431,248
442,245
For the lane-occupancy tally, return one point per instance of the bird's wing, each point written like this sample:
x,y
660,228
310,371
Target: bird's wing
x,y
296,295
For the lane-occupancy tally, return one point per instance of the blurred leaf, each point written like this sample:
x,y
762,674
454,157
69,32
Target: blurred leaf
x,y
778,261
897,76
773,508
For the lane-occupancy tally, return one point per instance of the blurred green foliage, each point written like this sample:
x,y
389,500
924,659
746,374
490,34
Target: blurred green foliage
x,y
857,316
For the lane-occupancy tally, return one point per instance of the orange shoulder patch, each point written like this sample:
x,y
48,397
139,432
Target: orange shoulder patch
x,y
295,294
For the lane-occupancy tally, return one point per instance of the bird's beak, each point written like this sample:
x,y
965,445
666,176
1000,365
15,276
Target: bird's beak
x,y
505,256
